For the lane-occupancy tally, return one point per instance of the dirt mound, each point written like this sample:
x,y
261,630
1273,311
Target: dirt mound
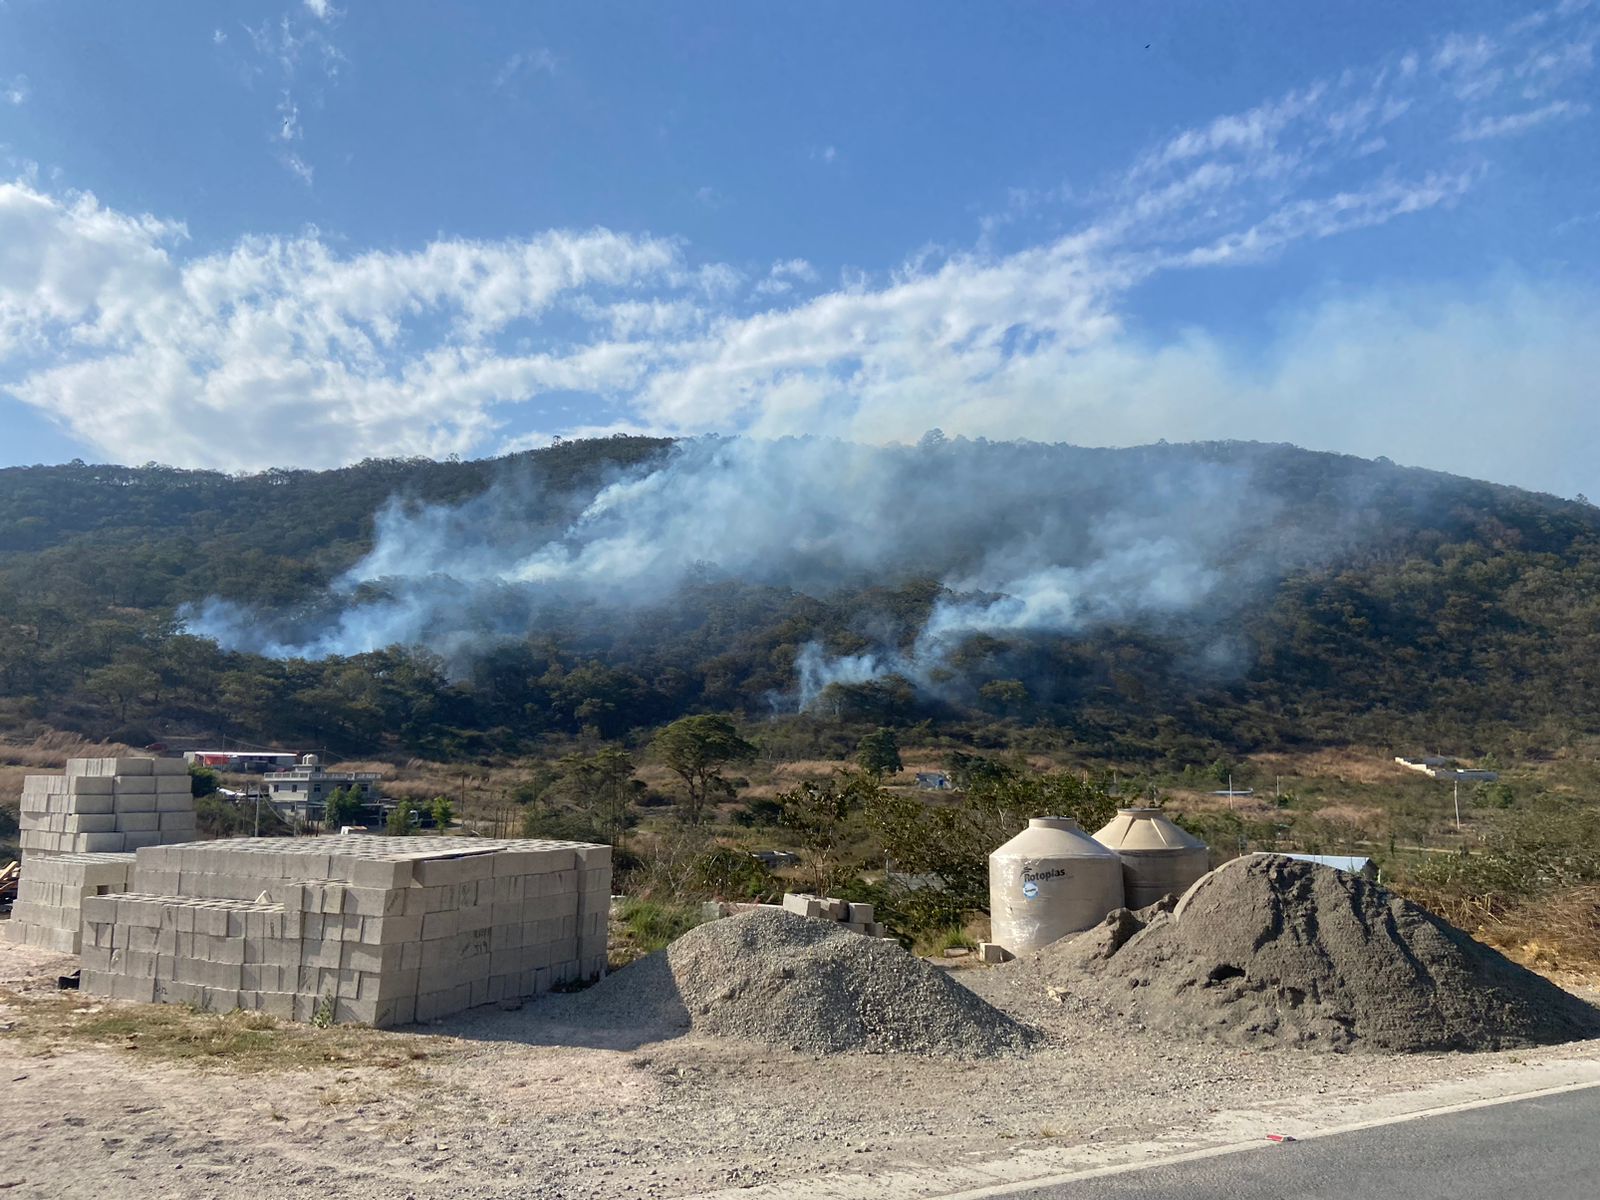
x,y
1268,950
779,979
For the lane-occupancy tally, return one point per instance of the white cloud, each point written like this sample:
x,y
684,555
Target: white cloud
x,y
522,64
1520,122
17,91
289,119
303,58
284,349
825,154
300,169
220,358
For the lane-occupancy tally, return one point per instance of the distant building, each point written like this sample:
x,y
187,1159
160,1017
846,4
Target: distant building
x,y
776,859
1436,767
242,760
301,794
936,781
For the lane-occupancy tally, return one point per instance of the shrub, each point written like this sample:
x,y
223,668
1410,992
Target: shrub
x,y
651,924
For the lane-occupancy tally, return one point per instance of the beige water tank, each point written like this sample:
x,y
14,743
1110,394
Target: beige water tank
x,y
1158,858
1049,881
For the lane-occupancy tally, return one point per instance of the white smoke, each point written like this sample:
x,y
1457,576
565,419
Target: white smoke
x,y
1025,538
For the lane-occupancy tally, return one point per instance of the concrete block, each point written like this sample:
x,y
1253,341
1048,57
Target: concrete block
x,y
438,925
137,840
993,952
107,766
137,822
169,767
135,785
441,872
383,931
93,805
380,873
861,913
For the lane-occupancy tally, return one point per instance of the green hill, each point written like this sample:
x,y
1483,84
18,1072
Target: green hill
x,y
1358,601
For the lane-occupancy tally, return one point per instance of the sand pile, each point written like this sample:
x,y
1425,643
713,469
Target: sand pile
x,y
779,979
1267,950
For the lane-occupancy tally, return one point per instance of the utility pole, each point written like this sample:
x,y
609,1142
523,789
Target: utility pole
x,y
1458,804
258,810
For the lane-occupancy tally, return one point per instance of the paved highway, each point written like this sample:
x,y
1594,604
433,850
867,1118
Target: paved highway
x,y
1546,1148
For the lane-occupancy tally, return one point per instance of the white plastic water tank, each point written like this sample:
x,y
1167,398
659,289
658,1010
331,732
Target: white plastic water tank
x,y
310,760
1049,881
1158,858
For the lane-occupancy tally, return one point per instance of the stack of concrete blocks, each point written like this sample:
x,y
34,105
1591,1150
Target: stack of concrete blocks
x,y
78,832
48,912
384,931
106,806
855,917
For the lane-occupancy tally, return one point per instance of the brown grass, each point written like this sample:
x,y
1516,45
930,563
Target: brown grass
x,y
1364,766
50,751
1558,935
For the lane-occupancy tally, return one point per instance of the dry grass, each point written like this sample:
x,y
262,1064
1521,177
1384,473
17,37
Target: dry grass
x,y
1364,766
1558,935
237,1041
50,751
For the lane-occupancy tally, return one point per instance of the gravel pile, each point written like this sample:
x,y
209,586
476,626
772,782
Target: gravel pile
x,y
1268,950
781,980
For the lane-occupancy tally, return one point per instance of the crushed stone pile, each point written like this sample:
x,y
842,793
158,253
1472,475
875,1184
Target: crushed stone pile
x,y
1268,950
779,979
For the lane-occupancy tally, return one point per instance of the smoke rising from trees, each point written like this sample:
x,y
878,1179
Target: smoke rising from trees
x,y
1025,539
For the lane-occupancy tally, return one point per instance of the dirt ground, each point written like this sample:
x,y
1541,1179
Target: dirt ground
x,y
505,1104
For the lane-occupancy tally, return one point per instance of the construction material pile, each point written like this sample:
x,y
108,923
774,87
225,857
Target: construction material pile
x,y
379,930
779,979
106,806
78,832
1269,951
857,918
48,912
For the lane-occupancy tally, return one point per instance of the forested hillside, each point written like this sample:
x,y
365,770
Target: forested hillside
x,y
1446,612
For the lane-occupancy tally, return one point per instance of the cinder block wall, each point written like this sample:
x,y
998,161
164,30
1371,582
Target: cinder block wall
x,y
78,830
48,910
380,930
106,806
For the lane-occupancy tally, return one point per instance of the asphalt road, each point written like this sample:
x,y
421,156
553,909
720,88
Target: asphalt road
x,y
1541,1149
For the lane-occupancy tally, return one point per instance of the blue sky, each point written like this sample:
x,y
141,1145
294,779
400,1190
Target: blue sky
x,y
302,234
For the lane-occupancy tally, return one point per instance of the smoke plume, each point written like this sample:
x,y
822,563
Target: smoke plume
x,y
1025,538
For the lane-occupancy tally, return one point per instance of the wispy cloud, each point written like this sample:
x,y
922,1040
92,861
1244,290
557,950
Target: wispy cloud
x,y
16,91
301,58
523,65
289,120
1516,123
300,169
